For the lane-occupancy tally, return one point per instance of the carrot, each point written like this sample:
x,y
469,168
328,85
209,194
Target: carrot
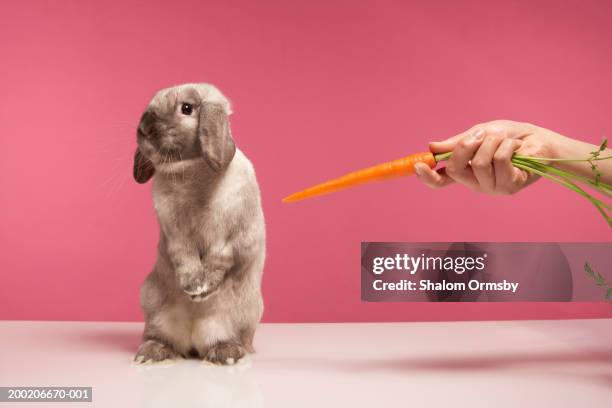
x,y
383,171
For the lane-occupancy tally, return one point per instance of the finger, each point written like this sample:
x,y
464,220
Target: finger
x,y
458,167
482,162
432,178
449,144
508,178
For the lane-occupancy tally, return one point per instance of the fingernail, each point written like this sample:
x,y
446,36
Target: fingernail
x,y
477,135
418,169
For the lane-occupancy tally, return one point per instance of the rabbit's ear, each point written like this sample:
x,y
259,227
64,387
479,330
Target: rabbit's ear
x,y
143,168
218,147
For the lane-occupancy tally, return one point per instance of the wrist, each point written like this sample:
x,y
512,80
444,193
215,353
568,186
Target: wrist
x,y
556,145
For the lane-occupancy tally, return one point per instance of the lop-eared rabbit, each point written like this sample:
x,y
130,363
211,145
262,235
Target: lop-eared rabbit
x,y
203,297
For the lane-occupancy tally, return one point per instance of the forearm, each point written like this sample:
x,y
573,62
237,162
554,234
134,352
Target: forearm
x,y
566,148
183,255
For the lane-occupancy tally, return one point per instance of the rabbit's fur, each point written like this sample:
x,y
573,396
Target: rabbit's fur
x,y
203,296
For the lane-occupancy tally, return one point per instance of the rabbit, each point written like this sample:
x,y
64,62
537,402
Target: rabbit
x,y
203,297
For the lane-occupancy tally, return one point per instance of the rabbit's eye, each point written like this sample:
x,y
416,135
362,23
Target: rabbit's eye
x,y
186,109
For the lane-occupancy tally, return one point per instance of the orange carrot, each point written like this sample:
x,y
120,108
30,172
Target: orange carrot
x,y
383,171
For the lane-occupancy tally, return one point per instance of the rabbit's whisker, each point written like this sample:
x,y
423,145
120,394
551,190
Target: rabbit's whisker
x,y
183,167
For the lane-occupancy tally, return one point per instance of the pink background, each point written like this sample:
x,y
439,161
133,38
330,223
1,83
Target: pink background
x,y
318,89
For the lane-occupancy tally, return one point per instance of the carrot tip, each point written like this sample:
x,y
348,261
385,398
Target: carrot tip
x,y
290,199
384,171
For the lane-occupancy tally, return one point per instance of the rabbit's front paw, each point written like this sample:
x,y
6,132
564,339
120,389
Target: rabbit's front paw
x,y
193,282
195,288
225,353
153,351
199,285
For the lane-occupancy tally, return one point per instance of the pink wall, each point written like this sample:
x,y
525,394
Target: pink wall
x,y
317,90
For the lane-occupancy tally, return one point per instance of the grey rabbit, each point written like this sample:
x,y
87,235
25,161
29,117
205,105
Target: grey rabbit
x,y
203,297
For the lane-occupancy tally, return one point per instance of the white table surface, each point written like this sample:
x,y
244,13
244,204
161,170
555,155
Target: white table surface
x,y
490,364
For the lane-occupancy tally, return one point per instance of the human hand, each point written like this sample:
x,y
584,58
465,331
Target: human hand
x,y
481,158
